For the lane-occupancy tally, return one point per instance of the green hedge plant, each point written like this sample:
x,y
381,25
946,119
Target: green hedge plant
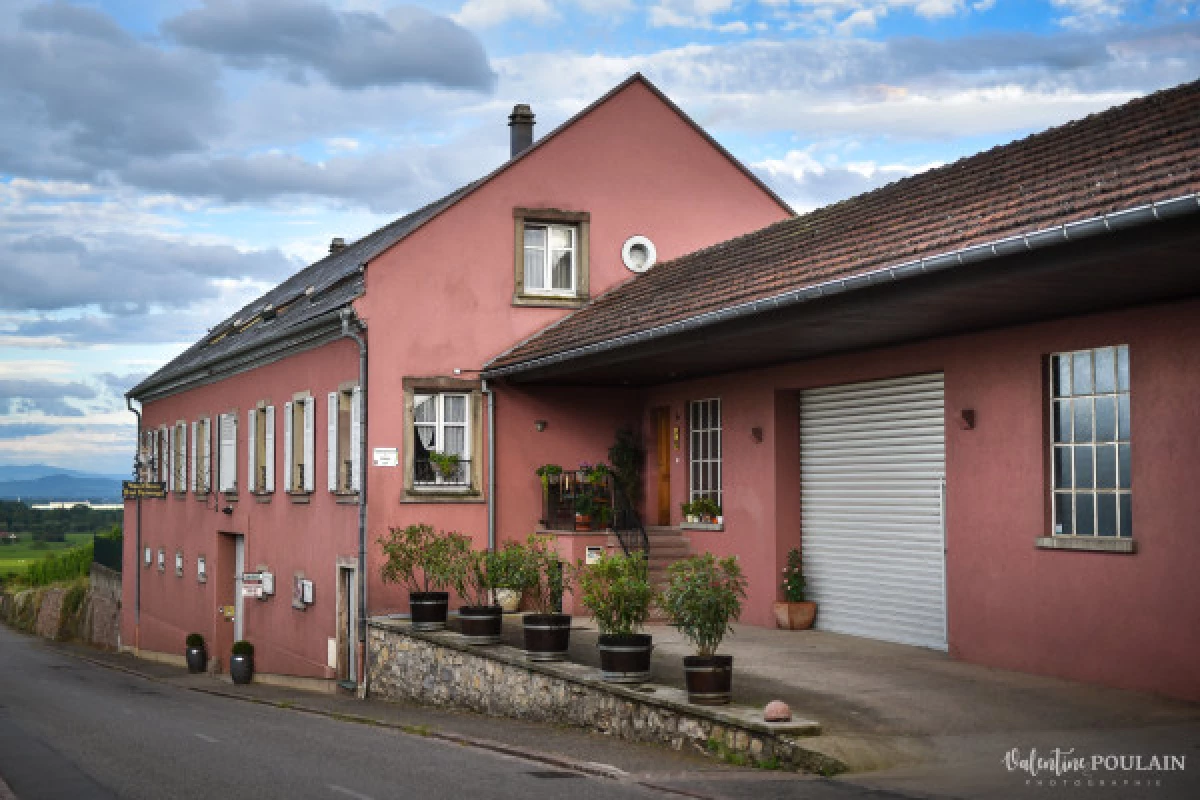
x,y
243,648
703,595
617,590
423,559
194,640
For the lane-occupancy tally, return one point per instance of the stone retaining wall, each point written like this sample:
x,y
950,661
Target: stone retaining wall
x,y
89,613
439,669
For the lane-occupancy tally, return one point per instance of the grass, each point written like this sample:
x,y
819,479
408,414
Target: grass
x,y
16,557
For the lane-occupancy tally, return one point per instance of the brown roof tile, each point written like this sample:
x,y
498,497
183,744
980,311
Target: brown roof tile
x,y
1145,151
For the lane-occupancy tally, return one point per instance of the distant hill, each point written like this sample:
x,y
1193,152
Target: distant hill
x,y
57,484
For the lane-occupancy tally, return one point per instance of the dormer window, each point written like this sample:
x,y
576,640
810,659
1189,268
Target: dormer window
x,y
551,258
550,255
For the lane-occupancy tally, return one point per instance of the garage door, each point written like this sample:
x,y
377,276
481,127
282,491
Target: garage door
x,y
872,464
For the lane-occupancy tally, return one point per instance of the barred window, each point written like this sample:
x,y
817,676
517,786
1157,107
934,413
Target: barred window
x,y
704,452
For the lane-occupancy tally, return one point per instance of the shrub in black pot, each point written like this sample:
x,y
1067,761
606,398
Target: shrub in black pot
x,y
703,595
547,633
616,589
197,654
427,562
481,619
241,662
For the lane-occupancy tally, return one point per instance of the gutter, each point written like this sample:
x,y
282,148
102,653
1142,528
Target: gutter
x,y
137,583
974,254
349,318
491,464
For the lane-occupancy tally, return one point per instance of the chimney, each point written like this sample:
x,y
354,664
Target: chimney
x,y
520,123
337,244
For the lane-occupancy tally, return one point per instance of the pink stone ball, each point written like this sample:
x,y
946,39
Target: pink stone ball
x,y
777,711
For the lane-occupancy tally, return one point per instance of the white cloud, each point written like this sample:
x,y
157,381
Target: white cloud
x,y
488,13
861,20
694,14
1089,14
983,5
808,182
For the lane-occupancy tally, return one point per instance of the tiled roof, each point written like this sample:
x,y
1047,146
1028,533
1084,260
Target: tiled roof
x,y
326,286
1145,151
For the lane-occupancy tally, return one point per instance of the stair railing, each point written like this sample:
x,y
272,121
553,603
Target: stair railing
x,y
627,524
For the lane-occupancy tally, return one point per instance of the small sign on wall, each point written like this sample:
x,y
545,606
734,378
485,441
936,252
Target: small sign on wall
x,y
386,457
592,554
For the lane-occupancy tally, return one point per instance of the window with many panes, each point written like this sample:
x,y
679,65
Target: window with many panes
x,y
704,450
550,256
441,440
1090,462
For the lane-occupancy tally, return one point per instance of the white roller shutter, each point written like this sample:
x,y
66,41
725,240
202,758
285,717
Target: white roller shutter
x,y
227,456
872,459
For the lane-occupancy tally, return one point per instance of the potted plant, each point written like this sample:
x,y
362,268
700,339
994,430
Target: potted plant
x,y
585,505
481,620
686,511
703,595
705,509
447,464
547,632
427,562
548,473
616,589
794,613
595,474
241,662
197,654
508,575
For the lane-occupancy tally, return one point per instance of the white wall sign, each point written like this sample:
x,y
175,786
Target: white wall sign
x,y
386,457
592,554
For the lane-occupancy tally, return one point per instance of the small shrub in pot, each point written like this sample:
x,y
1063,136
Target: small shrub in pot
x,y
241,662
617,590
428,562
794,612
703,595
508,575
547,632
481,619
196,652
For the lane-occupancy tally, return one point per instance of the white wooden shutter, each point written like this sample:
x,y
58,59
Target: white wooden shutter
x,y
170,461
192,468
287,447
332,460
872,461
310,461
160,444
356,440
208,455
252,449
227,457
182,430
270,448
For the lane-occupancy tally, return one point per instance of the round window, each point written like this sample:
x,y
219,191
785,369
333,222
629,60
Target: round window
x,y
638,254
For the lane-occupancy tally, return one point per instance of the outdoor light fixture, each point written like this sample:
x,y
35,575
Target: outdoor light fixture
x,y
756,434
540,424
966,419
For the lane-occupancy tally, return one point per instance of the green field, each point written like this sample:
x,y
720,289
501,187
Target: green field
x,y
20,554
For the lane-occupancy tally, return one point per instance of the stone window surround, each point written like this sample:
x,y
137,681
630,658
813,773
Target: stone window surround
x,y
435,385
582,222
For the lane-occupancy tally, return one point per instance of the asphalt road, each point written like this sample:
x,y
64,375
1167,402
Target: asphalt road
x,y
69,729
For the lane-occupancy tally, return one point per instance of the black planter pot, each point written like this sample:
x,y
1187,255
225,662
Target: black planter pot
x,y
197,659
481,624
241,668
547,636
626,658
429,610
709,679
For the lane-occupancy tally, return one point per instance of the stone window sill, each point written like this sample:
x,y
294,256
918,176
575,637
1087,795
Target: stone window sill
x,y
441,496
1093,544
230,497
262,497
547,301
201,497
300,498
701,526
346,498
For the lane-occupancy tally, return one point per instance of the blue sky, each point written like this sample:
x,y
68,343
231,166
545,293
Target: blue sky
x,y
161,163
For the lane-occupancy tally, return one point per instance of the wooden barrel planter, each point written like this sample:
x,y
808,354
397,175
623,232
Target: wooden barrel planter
x,y
625,659
429,610
547,636
481,624
709,679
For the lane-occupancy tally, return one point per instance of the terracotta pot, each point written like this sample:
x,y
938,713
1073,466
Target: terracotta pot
x,y
795,616
709,679
547,636
428,610
583,522
481,624
508,599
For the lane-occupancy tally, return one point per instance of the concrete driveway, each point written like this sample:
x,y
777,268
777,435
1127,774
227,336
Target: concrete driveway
x,y
915,720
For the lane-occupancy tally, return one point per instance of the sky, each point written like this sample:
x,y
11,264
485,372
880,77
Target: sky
x,y
164,162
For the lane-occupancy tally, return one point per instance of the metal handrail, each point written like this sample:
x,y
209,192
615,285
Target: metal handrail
x,y
627,524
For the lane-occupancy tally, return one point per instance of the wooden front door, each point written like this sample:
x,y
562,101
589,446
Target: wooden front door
x,y
662,438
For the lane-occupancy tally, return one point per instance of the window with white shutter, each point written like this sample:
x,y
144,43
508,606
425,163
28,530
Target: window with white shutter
x,y
344,470
179,458
269,449
300,444
310,434
204,459
289,446
192,464
227,453
260,445
168,470
356,466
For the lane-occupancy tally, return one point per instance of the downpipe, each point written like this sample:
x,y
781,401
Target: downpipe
x,y
351,325
137,583
491,464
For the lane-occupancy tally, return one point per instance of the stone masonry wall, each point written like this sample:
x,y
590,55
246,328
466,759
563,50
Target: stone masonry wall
x,y
440,670
103,626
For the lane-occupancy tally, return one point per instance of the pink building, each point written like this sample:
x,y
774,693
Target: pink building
x,y
258,429
969,398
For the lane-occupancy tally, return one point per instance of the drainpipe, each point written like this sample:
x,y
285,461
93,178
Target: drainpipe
x,y
349,318
491,465
137,583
